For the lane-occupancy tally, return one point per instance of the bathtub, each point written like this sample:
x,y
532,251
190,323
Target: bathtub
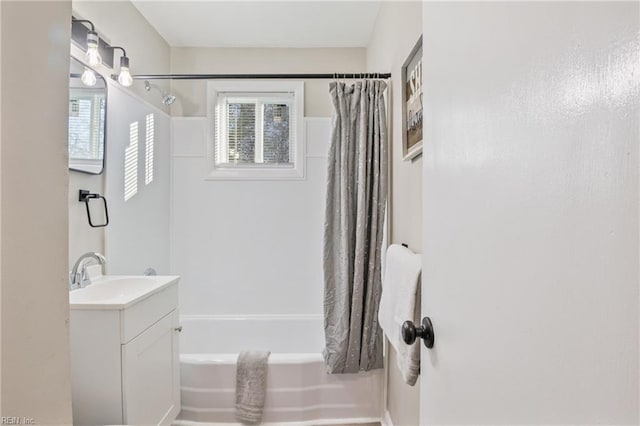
x,y
299,391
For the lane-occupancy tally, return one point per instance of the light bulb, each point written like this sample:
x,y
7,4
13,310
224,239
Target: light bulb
x,y
88,77
92,55
124,77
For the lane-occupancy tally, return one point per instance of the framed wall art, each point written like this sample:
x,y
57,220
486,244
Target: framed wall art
x,y
412,103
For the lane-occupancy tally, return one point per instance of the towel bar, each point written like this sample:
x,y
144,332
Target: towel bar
x,y
85,196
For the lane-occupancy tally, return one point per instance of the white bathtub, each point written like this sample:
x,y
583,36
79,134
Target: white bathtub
x,y
299,391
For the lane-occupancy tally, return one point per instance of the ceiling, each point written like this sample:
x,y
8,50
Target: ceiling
x,y
262,23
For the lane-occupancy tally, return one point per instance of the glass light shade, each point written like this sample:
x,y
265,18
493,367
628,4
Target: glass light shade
x,y
88,77
124,77
92,56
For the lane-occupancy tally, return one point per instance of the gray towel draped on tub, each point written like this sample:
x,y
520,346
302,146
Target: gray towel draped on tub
x,y
251,385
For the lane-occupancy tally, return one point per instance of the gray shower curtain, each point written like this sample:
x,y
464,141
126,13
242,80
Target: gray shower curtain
x,y
354,216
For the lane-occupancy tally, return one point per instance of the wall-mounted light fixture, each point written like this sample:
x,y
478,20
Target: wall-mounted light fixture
x,y
98,52
124,76
92,55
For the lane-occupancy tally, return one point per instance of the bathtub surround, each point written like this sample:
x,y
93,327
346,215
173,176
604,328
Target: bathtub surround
x,y
354,221
223,232
211,222
218,276
251,385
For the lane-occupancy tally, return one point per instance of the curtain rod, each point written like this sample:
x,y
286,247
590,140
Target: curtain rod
x,y
261,76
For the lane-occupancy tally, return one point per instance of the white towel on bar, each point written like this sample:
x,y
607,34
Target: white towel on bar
x,y
400,289
251,385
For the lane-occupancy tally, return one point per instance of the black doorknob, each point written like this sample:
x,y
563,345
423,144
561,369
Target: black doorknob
x,y
410,332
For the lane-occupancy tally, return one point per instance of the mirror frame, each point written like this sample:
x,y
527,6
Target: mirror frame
x,y
104,142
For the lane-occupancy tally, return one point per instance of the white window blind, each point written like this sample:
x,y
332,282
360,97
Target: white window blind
x,y
276,133
255,129
240,126
86,114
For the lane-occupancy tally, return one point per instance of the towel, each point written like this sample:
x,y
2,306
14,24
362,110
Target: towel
x,y
400,290
251,385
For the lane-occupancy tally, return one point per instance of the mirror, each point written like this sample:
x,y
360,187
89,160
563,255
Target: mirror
x,y
87,119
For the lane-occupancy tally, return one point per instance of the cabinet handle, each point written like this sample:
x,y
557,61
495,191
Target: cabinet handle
x,y
178,329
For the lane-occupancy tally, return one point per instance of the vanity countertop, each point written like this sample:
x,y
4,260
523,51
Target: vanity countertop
x,y
118,291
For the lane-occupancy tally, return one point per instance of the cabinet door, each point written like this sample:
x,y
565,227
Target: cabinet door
x,y
151,376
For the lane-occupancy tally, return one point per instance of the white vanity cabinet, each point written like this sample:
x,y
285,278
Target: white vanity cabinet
x,y
124,352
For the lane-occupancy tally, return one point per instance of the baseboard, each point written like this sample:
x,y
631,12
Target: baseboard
x,y
386,419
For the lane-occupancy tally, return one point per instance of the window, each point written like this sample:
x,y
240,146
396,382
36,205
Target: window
x,y
256,130
86,115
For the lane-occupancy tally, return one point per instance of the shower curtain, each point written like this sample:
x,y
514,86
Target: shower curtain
x,y
354,216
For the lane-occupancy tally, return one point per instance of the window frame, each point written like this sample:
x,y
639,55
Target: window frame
x,y
257,171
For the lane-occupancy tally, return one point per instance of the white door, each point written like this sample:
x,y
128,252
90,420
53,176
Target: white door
x,y
531,212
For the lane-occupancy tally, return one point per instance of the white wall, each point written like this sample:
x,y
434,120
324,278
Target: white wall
x,y
397,29
35,379
137,237
531,212
83,238
119,23
247,247
1,212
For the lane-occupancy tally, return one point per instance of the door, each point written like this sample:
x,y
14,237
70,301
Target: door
x,y
530,244
151,374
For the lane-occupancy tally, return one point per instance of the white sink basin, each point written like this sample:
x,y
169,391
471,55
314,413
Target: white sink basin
x,y
118,291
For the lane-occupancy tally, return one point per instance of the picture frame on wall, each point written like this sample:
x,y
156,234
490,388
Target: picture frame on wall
x,y
412,103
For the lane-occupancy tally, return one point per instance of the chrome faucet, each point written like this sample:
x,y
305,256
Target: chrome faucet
x,y
80,278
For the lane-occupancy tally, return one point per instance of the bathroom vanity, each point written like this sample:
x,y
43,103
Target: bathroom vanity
x,y
124,351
